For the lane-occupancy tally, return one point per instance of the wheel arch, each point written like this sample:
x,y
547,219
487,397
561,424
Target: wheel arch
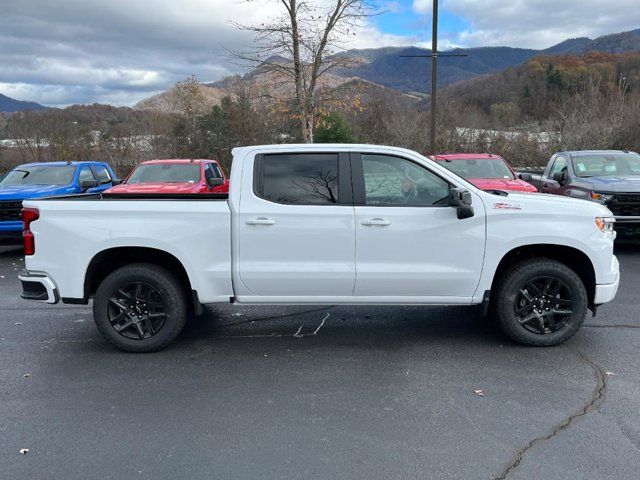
x,y
110,259
572,257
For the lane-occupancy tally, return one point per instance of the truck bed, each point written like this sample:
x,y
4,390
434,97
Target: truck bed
x,y
195,229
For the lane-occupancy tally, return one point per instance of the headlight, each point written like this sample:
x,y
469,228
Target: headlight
x,y
605,224
601,197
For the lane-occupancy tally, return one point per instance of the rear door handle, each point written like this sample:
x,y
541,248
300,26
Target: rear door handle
x,y
376,222
261,221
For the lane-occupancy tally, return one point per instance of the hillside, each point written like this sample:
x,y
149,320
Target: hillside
x,y
390,68
534,89
10,105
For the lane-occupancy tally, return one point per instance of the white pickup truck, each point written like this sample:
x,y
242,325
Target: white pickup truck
x,y
323,224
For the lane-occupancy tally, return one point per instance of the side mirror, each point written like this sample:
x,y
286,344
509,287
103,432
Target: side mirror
x,y
87,184
461,200
559,177
215,181
527,177
116,181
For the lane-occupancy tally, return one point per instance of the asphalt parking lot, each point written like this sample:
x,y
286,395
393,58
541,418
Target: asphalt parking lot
x,y
318,392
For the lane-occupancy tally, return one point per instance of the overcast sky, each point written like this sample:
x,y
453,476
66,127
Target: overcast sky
x,y
60,52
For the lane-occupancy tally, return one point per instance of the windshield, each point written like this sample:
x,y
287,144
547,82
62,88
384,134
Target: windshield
x,y
39,175
480,168
604,165
166,173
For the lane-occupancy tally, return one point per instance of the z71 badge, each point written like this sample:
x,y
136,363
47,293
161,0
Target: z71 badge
x,y
508,206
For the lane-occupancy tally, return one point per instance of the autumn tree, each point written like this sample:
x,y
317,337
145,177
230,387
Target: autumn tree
x,y
299,46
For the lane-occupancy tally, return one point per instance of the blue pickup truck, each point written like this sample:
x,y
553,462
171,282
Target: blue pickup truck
x,y
34,180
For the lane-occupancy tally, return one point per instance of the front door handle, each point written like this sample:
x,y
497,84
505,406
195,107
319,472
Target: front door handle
x,y
376,222
261,221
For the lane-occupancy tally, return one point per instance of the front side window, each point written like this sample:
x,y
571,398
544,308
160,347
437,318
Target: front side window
x,y
85,175
209,172
38,175
607,164
299,179
102,174
395,181
166,173
559,166
469,168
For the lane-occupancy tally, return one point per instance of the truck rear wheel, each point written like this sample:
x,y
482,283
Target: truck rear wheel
x,y
140,308
540,302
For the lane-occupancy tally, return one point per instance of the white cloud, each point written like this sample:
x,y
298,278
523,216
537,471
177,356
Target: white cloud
x,y
59,52
423,6
541,23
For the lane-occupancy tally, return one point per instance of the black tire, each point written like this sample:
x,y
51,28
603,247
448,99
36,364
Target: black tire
x,y
533,322
117,305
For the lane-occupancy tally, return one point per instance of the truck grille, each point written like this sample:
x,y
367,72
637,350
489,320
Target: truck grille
x,y
625,205
10,211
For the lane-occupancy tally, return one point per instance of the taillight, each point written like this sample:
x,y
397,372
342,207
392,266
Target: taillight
x,y
29,215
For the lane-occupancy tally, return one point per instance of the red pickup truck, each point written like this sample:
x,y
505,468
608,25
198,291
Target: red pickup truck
x,y
485,170
175,176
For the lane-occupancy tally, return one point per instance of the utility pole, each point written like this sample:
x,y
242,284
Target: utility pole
x,y
434,74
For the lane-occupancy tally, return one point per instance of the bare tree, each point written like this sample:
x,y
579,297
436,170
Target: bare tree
x,y
300,44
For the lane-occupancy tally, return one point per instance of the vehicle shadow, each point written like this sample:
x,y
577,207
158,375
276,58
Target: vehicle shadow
x,y
371,325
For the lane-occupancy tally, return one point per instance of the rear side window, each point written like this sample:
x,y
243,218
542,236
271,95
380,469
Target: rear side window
x,y
298,179
102,174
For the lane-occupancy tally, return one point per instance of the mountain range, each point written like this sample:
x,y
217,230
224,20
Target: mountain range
x,y
10,105
397,70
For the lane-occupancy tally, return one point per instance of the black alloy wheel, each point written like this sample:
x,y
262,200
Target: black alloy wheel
x,y
137,311
140,307
544,305
539,302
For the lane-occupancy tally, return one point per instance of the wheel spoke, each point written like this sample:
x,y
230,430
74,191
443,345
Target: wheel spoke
x,y
534,287
556,289
138,294
547,286
557,311
120,328
149,323
526,295
119,304
552,322
118,318
528,318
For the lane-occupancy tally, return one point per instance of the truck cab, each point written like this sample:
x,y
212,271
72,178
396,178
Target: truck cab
x,y
36,180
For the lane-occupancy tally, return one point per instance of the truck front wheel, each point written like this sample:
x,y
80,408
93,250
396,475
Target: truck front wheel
x,y
540,302
140,308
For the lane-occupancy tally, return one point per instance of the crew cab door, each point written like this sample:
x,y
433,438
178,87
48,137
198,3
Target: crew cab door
x,y
410,245
295,228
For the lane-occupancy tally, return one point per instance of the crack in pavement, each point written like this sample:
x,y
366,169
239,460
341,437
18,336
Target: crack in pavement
x,y
280,335
614,325
592,404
